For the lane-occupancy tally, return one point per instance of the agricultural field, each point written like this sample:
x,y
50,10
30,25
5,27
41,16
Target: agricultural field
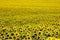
x,y
29,24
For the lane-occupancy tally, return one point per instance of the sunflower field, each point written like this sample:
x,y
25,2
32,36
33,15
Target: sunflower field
x,y
29,24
